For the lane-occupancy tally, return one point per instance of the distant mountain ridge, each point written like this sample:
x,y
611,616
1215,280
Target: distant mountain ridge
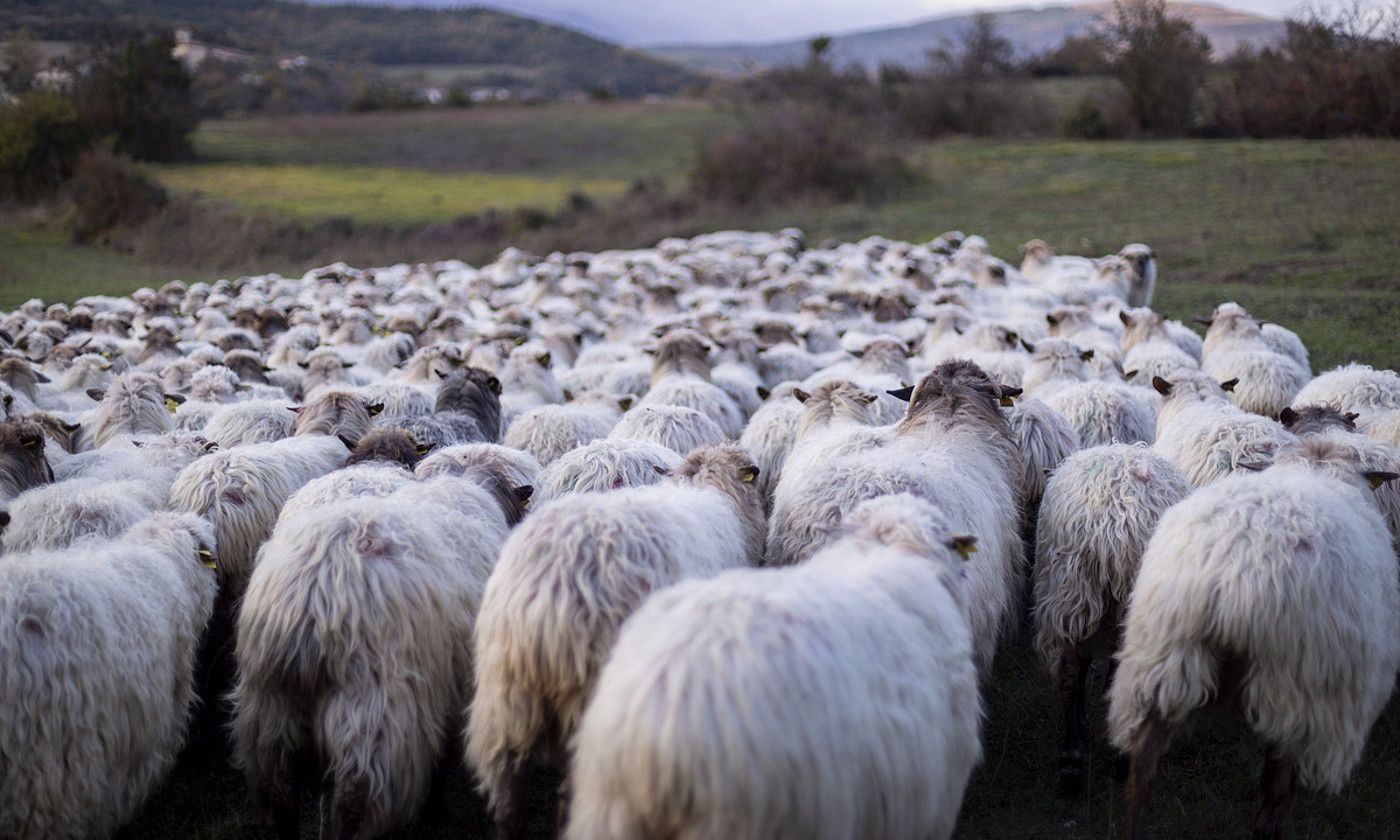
x,y
383,35
1029,30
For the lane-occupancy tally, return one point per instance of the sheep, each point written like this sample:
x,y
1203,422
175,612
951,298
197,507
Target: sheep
x,y
566,580
153,461
550,431
354,646
370,479
674,427
527,382
57,515
1340,429
394,446
336,412
22,462
1148,347
605,465
241,491
1234,349
1100,412
680,376
953,448
256,421
1352,388
769,437
1044,438
1205,435
519,468
1100,508
98,648
133,404
855,667
1275,592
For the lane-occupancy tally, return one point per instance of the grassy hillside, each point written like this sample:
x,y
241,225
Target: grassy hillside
x,y
566,60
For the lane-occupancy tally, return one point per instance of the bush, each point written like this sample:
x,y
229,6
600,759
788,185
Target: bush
x,y
792,151
141,97
106,193
1162,63
1085,121
41,137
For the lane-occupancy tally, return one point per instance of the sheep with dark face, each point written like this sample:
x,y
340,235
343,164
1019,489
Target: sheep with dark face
x,y
680,376
22,462
393,446
134,404
566,580
336,412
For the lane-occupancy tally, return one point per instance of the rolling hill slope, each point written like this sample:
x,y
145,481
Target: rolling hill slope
x,y
1030,30
373,34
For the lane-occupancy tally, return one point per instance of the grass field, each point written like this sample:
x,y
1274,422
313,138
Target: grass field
x,y
377,193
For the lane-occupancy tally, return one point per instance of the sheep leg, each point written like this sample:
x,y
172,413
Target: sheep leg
x,y
1142,770
278,795
1277,786
510,810
561,807
1074,675
350,809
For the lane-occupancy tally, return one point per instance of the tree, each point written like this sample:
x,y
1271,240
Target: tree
x,y
41,137
137,93
20,59
1161,62
817,48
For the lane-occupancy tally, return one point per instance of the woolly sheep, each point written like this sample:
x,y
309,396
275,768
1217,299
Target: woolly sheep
x,y
1205,436
57,515
605,465
675,427
256,421
1275,591
855,667
354,643
1353,387
566,580
104,635
550,431
1100,508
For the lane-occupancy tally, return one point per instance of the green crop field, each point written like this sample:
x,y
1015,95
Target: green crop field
x,y
377,193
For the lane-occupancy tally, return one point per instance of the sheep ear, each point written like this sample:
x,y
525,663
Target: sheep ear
x,y
347,364
1288,417
905,393
374,408
748,473
964,544
1229,384
801,395
295,409
858,353
867,399
1379,477
96,394
1130,374
1253,466
523,493
494,384
4,518
1030,348
71,428
303,365
544,359
442,373
660,470
267,369
423,448
763,393
625,403
1087,355
1350,416
1163,386
1052,320
349,444
1125,318
39,377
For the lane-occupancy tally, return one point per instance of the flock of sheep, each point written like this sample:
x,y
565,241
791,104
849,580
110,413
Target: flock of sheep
x,y
730,529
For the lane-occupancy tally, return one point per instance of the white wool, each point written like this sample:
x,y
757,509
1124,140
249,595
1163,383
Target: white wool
x,y
695,393
1208,439
134,404
1103,413
519,467
1268,381
57,515
566,579
1353,387
98,650
675,427
1291,571
1044,439
370,479
152,461
1382,425
257,421
1100,508
605,465
550,431
354,641
855,667
769,437
242,490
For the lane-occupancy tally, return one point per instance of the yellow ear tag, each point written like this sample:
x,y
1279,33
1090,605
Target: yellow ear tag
x,y
206,559
171,406
966,546
1376,481
1007,402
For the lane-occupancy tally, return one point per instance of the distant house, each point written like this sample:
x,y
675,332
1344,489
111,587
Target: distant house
x,y
53,78
193,53
297,62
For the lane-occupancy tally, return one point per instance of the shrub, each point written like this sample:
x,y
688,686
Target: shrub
x,y
1085,121
141,97
1162,63
108,192
791,151
41,137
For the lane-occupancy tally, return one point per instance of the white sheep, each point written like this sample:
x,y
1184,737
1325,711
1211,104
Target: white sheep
x,y
674,427
133,404
566,580
1206,436
605,465
1275,591
354,646
855,667
769,437
97,652
1101,506
549,431
1353,387
256,421
1236,350
57,515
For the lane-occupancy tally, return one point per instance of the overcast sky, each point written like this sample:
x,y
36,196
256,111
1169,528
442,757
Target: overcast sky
x,y
722,21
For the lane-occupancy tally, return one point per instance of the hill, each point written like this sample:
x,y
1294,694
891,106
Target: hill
x,y
562,58
1030,31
